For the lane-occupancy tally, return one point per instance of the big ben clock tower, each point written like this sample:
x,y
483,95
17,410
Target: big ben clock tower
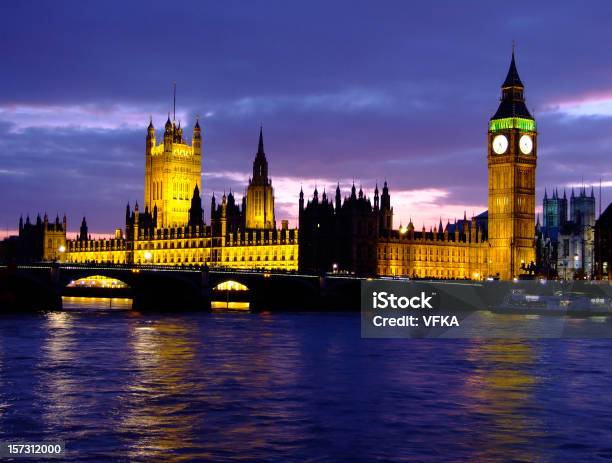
x,y
512,156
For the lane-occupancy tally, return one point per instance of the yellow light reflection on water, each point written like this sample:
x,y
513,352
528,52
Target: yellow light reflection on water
x,y
100,303
229,305
500,386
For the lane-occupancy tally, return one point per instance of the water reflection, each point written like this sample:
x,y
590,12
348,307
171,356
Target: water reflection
x,y
126,386
501,388
58,384
224,380
229,305
96,303
155,408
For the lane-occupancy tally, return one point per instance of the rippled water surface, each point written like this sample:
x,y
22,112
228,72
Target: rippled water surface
x,y
122,386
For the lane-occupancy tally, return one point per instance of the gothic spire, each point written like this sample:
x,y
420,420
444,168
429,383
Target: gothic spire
x,y
260,165
260,147
513,100
512,79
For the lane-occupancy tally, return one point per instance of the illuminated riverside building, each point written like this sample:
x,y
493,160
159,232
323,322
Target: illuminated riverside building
x,y
172,170
357,236
351,235
512,156
41,239
171,229
260,195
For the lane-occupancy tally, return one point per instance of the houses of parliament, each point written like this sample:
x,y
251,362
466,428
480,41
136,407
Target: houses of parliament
x,y
347,233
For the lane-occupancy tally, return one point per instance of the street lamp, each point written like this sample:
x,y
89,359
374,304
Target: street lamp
x,y
148,256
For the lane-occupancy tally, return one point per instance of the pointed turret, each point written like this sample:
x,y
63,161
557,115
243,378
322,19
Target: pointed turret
x,y
150,143
83,232
196,214
260,146
513,100
376,197
301,201
512,78
260,165
196,139
168,135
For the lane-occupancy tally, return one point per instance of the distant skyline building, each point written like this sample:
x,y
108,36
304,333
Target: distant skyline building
x,y
566,239
603,245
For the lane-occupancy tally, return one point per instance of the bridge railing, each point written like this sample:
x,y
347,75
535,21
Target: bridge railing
x,y
156,268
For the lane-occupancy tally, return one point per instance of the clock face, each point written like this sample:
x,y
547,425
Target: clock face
x,y
500,144
526,144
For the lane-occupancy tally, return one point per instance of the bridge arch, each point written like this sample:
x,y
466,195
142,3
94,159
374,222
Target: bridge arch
x,y
98,281
230,294
230,285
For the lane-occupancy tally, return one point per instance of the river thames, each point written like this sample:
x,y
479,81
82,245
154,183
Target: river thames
x,y
116,385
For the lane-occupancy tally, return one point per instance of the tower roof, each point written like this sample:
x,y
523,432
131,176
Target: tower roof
x,y
512,102
512,79
260,146
260,164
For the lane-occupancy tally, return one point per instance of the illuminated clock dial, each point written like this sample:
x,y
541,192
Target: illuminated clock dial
x,y
500,144
526,144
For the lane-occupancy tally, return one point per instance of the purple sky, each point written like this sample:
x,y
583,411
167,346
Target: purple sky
x,y
344,90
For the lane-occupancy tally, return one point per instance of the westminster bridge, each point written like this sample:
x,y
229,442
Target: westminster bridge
x,y
41,286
